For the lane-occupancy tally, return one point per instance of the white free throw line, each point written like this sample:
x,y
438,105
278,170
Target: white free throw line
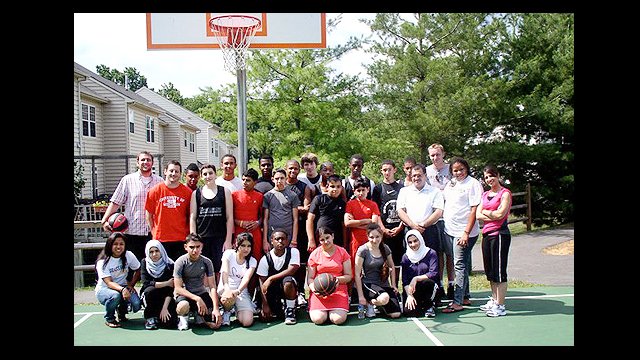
x,y
427,332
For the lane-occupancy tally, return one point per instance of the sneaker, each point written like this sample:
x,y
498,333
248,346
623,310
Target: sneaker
x,y
226,318
486,307
183,322
302,302
150,324
450,292
497,310
199,320
290,316
430,313
113,323
371,311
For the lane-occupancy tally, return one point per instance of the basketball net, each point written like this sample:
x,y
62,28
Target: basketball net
x,y
234,34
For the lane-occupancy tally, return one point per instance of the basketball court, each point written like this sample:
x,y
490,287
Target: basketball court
x,y
538,316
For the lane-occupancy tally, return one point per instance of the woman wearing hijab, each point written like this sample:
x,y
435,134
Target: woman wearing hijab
x,y
419,276
157,287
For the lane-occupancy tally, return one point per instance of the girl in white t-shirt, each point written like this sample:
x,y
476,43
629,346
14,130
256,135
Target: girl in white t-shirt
x,y
113,290
237,269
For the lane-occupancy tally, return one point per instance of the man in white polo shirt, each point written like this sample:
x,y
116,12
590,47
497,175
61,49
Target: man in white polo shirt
x,y
420,206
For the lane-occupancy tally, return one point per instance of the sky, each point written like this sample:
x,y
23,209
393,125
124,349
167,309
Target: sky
x,y
119,40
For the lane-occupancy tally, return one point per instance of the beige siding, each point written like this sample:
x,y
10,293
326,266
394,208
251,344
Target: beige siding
x,y
138,140
172,142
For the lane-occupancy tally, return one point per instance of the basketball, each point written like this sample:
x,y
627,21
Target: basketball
x,y
118,222
325,284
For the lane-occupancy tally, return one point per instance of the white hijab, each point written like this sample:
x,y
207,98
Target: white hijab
x,y
156,268
415,256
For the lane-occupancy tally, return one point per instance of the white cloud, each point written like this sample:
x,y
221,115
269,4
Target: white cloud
x,y
119,41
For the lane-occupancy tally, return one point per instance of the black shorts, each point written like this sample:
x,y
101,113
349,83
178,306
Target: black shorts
x,y
495,252
193,306
212,248
275,295
372,291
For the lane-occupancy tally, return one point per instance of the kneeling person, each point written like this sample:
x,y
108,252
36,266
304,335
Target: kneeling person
x,y
192,274
238,266
276,271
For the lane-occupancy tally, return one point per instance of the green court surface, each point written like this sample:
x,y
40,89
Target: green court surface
x,y
537,316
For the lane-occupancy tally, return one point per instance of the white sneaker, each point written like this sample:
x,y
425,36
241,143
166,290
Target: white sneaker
x,y
497,310
301,300
226,318
183,323
371,311
486,307
290,316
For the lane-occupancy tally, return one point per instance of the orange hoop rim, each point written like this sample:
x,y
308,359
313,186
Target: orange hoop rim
x,y
245,22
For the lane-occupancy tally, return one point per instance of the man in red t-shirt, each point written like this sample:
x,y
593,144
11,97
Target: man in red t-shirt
x,y
167,210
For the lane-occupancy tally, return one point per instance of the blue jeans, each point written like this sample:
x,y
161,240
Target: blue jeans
x,y
111,299
462,266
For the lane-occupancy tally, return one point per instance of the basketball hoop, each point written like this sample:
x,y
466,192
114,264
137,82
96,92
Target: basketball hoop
x,y
234,34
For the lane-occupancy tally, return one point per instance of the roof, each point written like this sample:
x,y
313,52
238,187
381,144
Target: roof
x,y
180,111
130,95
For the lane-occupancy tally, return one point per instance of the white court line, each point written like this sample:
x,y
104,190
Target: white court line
x,y
427,332
435,340
84,318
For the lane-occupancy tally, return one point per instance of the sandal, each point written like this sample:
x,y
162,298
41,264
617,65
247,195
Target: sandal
x,y
112,323
451,309
466,302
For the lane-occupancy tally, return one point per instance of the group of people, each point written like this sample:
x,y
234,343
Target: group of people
x,y
253,244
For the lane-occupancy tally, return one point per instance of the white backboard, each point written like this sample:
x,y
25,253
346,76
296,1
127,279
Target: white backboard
x,y
174,31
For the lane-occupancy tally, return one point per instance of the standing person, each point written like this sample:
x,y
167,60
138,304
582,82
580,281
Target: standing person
x,y
373,287
408,165
311,177
113,290
192,175
496,239
132,192
327,210
461,199
438,175
420,206
335,260
265,182
278,284
238,267
168,206
192,275
228,179
356,163
157,288
385,195
247,212
358,214
280,206
326,170
304,194
211,217
419,276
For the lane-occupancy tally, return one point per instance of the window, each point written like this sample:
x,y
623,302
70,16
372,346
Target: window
x,y
88,120
185,138
192,142
215,148
132,121
151,130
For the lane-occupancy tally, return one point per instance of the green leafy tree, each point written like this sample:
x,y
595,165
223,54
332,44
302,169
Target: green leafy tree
x,y
134,80
492,88
170,92
78,179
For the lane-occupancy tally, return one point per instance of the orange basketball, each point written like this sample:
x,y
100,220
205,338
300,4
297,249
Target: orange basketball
x,y
325,284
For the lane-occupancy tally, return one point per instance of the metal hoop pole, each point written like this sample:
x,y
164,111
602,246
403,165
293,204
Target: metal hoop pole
x,y
242,121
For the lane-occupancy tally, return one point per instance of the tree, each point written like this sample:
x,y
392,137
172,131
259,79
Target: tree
x,y
134,79
78,180
490,87
170,92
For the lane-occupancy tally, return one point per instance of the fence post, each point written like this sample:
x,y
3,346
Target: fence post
x,y
528,207
78,276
